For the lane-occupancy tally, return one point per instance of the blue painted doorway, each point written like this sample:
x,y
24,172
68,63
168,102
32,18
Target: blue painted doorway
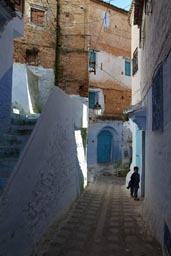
x,y
104,147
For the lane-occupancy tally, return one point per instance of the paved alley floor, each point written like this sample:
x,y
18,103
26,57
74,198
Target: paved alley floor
x,y
105,221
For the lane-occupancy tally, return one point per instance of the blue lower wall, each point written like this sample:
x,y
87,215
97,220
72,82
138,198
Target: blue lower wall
x,y
5,100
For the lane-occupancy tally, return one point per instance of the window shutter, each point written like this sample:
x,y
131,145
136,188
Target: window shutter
x,y
92,99
127,68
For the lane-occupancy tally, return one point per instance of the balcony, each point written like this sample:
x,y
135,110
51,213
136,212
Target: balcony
x,y
10,9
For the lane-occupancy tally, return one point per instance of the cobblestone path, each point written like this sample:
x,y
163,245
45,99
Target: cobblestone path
x,y
105,221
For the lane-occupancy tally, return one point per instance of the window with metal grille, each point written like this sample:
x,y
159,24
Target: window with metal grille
x,y
157,101
135,61
37,16
92,61
32,56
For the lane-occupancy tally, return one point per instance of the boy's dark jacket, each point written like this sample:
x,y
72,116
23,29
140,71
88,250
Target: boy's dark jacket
x,y
135,179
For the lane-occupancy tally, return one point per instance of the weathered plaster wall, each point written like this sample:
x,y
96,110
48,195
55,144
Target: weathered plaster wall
x,y
48,177
110,68
115,39
157,205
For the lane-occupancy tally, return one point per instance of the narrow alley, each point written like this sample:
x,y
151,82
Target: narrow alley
x,y
104,221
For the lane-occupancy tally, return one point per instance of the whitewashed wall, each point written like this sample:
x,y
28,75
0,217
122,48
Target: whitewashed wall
x,y
8,31
136,78
157,51
31,87
48,178
113,69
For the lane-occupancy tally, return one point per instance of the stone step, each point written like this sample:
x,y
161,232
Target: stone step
x,y
21,129
7,164
10,151
23,121
12,139
3,182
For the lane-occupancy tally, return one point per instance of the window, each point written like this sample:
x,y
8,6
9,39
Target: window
x,y
106,21
93,98
127,68
92,61
157,101
32,56
135,61
37,16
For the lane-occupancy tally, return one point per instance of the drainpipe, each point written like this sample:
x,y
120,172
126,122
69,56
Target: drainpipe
x,y
57,57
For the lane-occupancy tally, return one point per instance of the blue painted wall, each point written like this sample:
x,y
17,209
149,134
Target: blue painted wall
x,y
95,129
5,100
6,62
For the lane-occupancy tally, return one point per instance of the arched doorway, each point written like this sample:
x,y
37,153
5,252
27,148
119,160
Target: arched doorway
x,y
104,147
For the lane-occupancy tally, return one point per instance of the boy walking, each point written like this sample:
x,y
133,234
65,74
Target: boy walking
x,y
134,183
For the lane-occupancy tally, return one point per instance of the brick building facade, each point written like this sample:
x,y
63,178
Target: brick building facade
x,y
109,85
37,47
110,40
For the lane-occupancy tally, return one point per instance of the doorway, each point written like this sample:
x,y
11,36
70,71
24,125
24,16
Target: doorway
x,y
104,147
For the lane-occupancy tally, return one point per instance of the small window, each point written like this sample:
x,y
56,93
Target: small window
x,y
127,68
37,16
93,98
135,61
106,21
32,56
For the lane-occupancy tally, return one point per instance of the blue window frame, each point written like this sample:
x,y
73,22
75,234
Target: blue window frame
x,y
92,59
93,98
106,18
157,101
127,67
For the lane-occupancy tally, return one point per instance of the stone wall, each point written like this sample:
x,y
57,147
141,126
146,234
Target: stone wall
x,y
48,177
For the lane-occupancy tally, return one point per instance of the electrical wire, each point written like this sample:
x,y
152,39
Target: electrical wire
x,y
114,78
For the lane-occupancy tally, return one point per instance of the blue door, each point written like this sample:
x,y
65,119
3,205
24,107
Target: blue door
x,y
104,147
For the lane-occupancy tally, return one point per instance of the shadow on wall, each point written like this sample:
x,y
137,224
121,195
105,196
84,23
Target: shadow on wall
x,y
47,179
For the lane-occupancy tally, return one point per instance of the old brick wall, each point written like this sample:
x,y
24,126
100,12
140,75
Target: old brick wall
x,y
41,36
116,98
72,63
115,39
